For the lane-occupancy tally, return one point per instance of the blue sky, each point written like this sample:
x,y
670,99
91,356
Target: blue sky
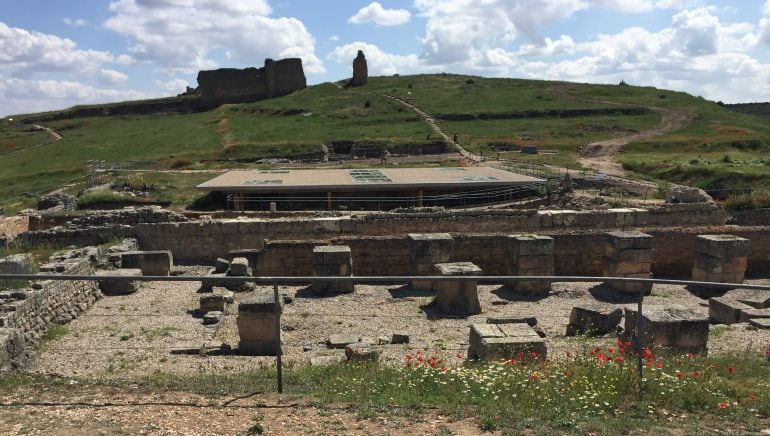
x,y
54,54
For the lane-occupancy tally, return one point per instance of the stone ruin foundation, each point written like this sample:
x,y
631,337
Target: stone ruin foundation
x,y
256,325
332,261
676,329
720,258
628,255
491,342
151,263
457,297
530,255
426,250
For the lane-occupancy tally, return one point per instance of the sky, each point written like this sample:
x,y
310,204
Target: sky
x,y
55,54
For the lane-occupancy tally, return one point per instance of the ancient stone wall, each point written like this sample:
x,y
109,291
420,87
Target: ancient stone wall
x,y
27,313
210,239
232,85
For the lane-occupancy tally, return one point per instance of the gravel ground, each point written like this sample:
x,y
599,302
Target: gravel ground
x,y
132,335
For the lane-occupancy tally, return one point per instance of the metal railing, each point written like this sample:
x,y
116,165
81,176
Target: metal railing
x,y
637,340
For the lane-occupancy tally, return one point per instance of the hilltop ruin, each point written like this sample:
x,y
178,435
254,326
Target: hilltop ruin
x,y
232,85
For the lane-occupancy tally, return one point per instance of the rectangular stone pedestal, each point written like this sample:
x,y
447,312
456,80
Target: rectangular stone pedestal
x,y
530,255
457,297
490,342
425,251
256,326
678,329
332,261
119,287
628,255
720,258
152,263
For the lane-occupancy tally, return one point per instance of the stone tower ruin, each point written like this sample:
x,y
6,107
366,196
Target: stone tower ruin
x,y
360,70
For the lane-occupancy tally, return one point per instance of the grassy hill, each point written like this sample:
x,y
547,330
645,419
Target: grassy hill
x,y
720,148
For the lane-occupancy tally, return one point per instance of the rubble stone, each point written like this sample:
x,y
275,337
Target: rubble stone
x,y
491,342
594,319
678,329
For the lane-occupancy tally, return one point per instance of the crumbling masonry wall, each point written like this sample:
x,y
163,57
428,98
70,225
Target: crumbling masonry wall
x,y
26,314
232,85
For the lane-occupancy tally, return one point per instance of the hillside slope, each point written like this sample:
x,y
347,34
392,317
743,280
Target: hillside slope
x,y
489,117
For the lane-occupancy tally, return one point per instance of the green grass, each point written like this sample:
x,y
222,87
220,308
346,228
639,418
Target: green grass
x,y
594,392
299,123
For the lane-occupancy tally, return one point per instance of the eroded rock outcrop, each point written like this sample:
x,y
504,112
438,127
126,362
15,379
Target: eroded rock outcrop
x,y
360,70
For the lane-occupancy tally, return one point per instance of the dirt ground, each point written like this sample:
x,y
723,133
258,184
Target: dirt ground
x,y
126,336
104,411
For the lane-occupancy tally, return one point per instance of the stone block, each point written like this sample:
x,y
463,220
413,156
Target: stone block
x,y
15,264
535,263
213,302
754,298
399,338
222,266
622,240
239,267
331,255
760,323
434,245
251,254
512,319
722,246
425,251
256,325
614,268
594,319
458,297
152,263
122,286
719,265
699,275
361,352
678,329
724,310
213,317
340,340
749,314
530,245
490,342
641,255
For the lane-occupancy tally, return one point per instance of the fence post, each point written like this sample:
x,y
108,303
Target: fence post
x,y
639,344
278,362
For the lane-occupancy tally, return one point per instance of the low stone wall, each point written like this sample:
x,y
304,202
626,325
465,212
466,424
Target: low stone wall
x,y
758,217
205,240
25,314
575,253
13,225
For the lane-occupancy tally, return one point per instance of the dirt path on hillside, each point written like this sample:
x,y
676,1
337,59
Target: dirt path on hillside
x,y
432,124
54,134
602,156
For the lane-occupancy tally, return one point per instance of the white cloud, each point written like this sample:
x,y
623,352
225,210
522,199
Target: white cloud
x,y
375,13
23,95
562,46
697,53
334,38
180,35
378,61
174,86
75,22
23,52
112,77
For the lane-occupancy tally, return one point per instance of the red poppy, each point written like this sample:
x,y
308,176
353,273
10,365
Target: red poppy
x,y
408,357
619,359
724,405
730,369
696,373
459,356
659,364
569,354
443,369
690,355
647,352
679,374
752,397
568,373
